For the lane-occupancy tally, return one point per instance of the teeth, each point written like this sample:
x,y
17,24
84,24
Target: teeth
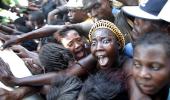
x,y
99,57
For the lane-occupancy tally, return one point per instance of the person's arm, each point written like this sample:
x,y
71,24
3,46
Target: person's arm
x,y
81,68
84,27
17,94
52,14
8,29
39,33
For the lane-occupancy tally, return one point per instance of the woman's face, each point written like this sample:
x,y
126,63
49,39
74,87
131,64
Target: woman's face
x,y
151,68
75,44
104,47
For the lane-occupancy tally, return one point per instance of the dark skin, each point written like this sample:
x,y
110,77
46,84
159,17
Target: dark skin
x,y
46,79
77,15
18,93
101,11
142,26
20,51
151,70
8,30
53,14
76,43
104,48
73,41
98,9
84,27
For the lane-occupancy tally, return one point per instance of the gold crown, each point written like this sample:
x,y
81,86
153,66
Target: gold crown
x,y
112,27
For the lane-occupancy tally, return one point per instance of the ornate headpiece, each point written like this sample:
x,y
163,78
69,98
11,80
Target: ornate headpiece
x,y
112,27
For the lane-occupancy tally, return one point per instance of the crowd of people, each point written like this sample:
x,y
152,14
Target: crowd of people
x,y
87,49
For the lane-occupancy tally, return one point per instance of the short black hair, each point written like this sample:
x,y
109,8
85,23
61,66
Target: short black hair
x,y
37,16
55,57
155,38
65,88
64,31
100,87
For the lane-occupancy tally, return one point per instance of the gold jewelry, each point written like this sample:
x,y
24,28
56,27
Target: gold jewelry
x,y
112,27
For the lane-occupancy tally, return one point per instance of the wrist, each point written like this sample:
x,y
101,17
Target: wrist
x,y
19,38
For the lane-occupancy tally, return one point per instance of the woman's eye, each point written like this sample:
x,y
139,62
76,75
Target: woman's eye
x,y
106,41
155,67
93,43
70,44
79,39
136,65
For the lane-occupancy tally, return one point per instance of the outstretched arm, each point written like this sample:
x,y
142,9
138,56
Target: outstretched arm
x,y
8,29
84,27
17,94
79,69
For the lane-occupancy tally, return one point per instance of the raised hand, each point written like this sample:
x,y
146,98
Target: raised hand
x,y
12,39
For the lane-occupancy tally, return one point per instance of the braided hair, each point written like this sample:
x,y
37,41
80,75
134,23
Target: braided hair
x,y
54,57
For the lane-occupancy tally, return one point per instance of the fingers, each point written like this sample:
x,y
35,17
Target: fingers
x,y
2,91
4,68
6,45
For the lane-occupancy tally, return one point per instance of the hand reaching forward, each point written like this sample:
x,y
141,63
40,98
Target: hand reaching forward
x,y
6,76
11,40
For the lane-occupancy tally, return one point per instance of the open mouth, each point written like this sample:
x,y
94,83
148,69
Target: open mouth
x,y
80,54
103,60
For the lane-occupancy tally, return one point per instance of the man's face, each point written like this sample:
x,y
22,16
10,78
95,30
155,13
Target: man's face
x,y
76,15
142,26
99,9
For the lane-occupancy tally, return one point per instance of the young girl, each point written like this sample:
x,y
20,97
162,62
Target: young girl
x,y
151,66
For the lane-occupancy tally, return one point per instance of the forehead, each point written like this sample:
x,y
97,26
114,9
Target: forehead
x,y
102,32
90,3
71,34
151,52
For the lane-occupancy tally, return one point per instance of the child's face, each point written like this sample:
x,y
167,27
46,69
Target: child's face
x,y
151,68
104,47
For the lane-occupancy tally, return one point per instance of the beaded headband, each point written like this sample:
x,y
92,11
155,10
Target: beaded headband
x,y
108,25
